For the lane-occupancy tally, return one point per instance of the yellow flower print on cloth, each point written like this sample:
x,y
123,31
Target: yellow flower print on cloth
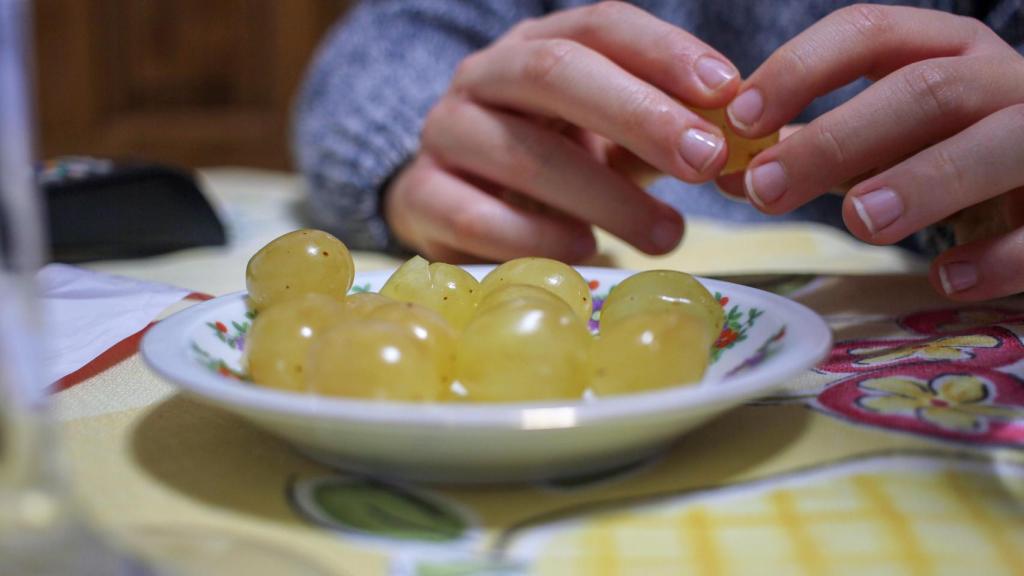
x,y
965,387
955,402
945,348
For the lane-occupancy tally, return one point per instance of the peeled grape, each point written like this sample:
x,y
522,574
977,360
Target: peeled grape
x,y
280,338
448,290
377,359
556,277
362,304
298,263
650,350
741,150
525,349
661,290
429,328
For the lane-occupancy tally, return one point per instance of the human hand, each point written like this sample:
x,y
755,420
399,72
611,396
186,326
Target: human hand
x,y
941,130
533,142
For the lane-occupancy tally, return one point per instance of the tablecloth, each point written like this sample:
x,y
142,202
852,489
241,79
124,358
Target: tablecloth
x,y
902,453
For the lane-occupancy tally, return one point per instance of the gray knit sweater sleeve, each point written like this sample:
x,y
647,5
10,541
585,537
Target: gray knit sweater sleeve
x,y
358,117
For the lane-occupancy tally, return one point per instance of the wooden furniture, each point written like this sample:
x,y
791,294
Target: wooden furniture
x,y
186,82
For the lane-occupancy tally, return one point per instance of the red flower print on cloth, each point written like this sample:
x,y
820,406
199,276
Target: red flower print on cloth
x,y
980,406
956,381
947,321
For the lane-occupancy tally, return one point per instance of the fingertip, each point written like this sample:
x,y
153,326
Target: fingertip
x,y
714,73
981,270
666,234
717,82
442,253
765,185
957,279
748,189
745,111
855,219
703,150
936,277
583,247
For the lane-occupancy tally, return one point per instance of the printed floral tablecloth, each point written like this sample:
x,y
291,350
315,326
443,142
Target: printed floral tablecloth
x,y
903,453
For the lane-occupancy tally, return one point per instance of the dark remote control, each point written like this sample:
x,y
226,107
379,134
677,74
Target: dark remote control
x,y
100,209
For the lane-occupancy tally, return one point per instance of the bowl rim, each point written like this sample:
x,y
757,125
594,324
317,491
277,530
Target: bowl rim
x,y
165,348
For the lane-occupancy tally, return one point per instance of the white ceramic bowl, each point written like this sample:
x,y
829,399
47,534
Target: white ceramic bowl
x,y
773,339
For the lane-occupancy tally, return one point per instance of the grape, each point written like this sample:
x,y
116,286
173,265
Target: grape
x,y
298,263
554,276
362,304
524,349
427,327
280,337
650,350
741,150
377,359
664,290
448,290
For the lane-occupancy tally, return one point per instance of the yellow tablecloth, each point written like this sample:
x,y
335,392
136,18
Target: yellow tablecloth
x,y
902,454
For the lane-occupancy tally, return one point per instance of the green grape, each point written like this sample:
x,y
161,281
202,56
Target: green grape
x,y
362,304
560,279
522,350
429,328
448,290
298,263
277,344
366,358
661,290
514,292
650,350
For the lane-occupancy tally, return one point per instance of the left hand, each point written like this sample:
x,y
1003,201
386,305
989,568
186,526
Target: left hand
x,y
942,130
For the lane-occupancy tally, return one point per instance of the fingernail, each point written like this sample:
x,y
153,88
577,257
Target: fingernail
x,y
766,183
714,73
700,148
665,235
957,276
746,109
878,209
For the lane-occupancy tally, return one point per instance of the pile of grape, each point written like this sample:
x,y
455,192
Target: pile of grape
x,y
434,333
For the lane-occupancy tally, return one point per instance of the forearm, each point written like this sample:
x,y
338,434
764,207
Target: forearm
x,y
358,117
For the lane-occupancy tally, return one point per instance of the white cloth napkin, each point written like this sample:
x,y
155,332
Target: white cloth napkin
x,y
85,313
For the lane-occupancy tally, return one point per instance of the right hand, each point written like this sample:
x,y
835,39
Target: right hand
x,y
540,135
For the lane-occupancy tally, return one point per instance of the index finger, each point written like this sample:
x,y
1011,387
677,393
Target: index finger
x,y
667,56
860,40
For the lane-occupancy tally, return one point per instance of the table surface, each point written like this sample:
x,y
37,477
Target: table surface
x,y
903,453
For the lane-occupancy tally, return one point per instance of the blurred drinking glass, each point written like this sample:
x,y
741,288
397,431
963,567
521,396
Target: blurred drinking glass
x,y
42,530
